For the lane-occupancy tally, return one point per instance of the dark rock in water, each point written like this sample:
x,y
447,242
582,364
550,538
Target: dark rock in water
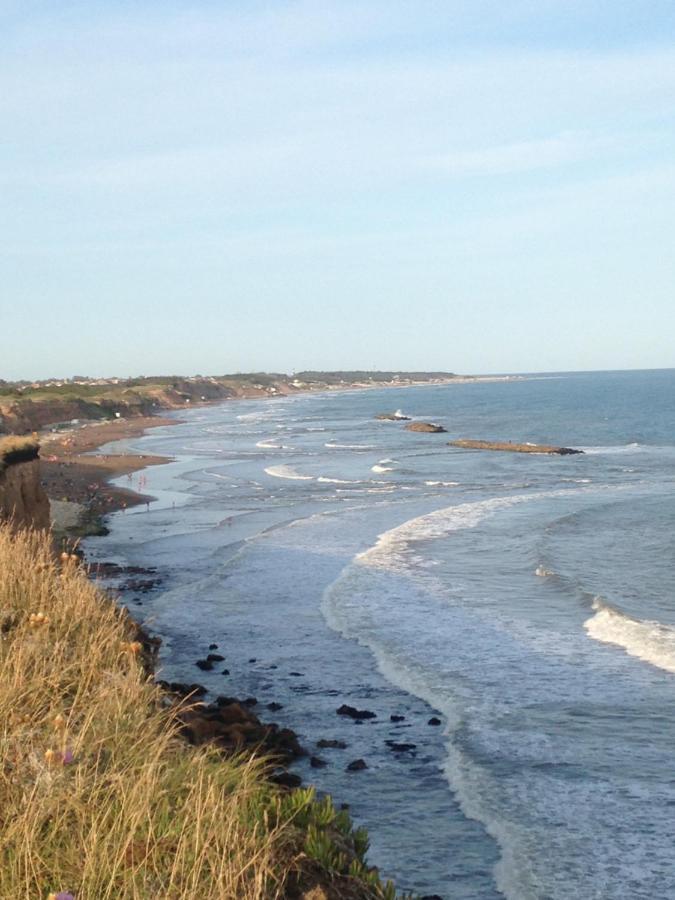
x,y
213,646
325,743
225,672
204,664
317,763
225,701
393,417
297,674
284,740
400,748
250,701
434,720
253,660
357,765
395,718
275,707
286,779
427,427
183,690
215,657
354,713
231,726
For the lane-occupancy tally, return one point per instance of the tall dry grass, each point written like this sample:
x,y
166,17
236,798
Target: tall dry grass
x,y
98,796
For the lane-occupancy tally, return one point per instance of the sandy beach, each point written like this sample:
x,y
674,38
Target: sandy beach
x,y
77,479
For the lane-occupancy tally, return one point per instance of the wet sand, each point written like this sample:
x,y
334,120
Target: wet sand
x,y
73,473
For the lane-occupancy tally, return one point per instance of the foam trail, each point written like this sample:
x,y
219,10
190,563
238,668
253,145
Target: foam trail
x,y
287,472
268,444
617,448
379,468
325,480
442,483
645,639
349,446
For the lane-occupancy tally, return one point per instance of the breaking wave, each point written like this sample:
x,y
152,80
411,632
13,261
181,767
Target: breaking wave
x,y
645,639
287,472
325,480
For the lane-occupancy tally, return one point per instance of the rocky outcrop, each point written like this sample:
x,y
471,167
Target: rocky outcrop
x,y
428,427
23,502
230,725
513,448
393,417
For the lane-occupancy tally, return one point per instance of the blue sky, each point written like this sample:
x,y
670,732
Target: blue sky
x,y
219,186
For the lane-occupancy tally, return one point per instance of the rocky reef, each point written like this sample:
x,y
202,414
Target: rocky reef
x,y
427,427
514,448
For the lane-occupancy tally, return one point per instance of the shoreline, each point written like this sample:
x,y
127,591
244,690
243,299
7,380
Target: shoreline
x,y
131,586
77,479
235,725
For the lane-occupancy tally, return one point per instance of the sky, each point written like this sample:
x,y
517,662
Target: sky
x,y
220,186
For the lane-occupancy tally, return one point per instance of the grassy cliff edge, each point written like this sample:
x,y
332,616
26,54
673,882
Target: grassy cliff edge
x,y
101,798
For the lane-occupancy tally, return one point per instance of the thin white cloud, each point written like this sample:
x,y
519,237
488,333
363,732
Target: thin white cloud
x,y
521,156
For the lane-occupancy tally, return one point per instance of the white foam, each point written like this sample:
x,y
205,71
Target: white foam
x,y
258,416
287,472
543,572
442,483
378,468
349,446
268,444
325,480
611,450
645,639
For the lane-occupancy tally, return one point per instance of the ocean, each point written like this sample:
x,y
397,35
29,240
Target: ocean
x,y
526,601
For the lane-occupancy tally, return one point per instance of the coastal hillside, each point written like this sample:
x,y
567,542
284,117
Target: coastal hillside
x,y
31,406
100,796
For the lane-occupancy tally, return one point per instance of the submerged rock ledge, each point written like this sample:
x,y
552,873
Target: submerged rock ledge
x,y
428,427
514,448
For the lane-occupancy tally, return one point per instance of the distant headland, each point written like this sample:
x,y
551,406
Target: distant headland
x,y
27,406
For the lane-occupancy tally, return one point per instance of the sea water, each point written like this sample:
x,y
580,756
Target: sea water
x,y
525,600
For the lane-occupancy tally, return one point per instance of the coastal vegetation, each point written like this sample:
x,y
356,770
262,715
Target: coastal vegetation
x,y
100,795
29,406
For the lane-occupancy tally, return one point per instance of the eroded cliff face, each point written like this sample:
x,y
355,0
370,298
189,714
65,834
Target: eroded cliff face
x,y
23,501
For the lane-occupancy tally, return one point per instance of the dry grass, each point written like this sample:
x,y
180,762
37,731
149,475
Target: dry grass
x,y
98,797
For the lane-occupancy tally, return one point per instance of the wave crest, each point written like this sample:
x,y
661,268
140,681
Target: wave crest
x,y
287,472
645,639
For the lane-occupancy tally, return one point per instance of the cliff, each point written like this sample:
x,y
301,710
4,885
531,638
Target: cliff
x,y
23,501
